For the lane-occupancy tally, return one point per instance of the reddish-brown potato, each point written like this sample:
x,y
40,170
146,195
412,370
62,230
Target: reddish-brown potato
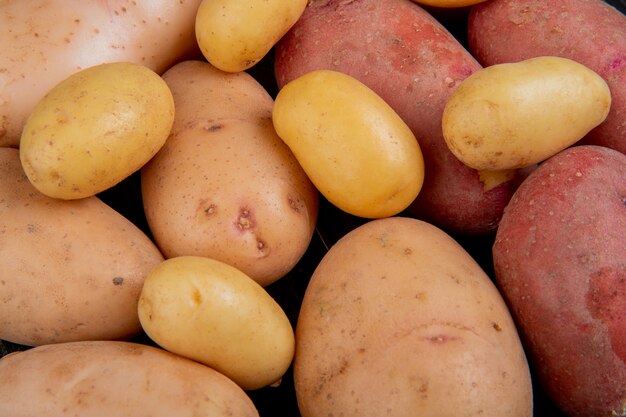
x,y
398,320
560,261
409,59
587,31
45,41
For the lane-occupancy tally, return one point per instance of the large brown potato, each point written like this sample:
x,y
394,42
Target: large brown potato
x,y
69,270
121,379
398,320
224,185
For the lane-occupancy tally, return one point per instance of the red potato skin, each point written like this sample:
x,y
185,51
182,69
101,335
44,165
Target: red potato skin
x,y
590,32
560,262
409,59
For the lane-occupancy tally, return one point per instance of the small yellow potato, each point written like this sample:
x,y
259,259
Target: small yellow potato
x,y
353,146
121,379
399,320
234,35
69,269
96,128
515,115
211,312
45,41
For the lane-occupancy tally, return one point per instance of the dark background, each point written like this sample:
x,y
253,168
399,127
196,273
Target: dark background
x,y
332,225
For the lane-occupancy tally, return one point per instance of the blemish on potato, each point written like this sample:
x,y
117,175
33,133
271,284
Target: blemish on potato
x,y
496,326
117,281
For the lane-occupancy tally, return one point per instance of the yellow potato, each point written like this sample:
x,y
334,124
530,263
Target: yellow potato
x,y
224,185
121,379
356,150
234,35
515,115
215,314
69,270
45,41
96,128
398,320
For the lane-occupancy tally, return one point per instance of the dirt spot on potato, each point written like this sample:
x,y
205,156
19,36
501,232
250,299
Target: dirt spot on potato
x,y
118,281
606,301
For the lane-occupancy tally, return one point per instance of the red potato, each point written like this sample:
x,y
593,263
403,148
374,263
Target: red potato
x,y
560,262
44,42
588,31
409,59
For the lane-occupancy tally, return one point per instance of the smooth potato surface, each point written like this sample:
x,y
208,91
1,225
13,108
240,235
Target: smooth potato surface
x,y
515,115
591,32
69,270
409,59
95,129
234,35
108,378
399,320
44,42
213,313
355,149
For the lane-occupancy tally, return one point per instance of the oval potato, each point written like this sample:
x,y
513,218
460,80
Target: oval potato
x,y
95,129
108,378
45,41
398,320
353,146
234,35
517,114
69,270
213,313
224,185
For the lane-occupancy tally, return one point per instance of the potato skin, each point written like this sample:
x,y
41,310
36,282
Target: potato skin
x,y
48,40
410,60
96,128
587,31
560,262
516,115
398,320
113,378
213,313
234,35
355,149
225,186
70,270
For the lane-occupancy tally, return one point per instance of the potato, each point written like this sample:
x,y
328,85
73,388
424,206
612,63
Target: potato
x,y
518,114
413,63
109,378
448,3
213,313
355,148
398,320
560,261
46,41
590,32
69,270
234,35
95,129
225,186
